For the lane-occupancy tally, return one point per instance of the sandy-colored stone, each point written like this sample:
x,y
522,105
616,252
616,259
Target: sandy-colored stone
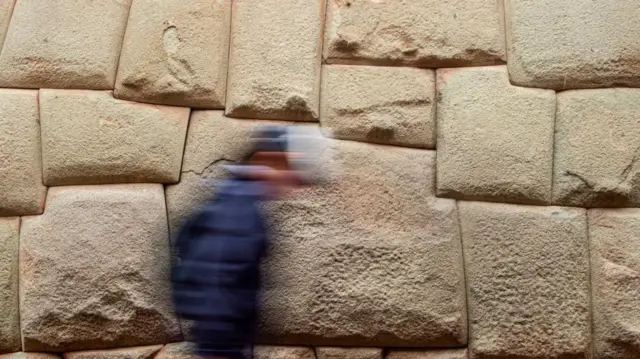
x,y
9,309
63,44
495,140
423,33
372,259
6,8
176,53
597,148
615,281
147,352
274,59
348,353
527,280
177,351
21,188
94,270
23,355
388,105
88,137
276,352
564,44
427,354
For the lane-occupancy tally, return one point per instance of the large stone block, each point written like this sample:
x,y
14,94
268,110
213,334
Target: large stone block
x,y
94,270
147,352
63,44
527,280
372,259
274,60
389,105
187,64
21,188
495,141
427,354
6,9
564,44
615,281
275,352
423,33
597,148
9,309
348,353
88,137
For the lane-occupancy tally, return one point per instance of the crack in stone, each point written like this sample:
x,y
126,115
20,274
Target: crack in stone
x,y
403,103
582,179
209,166
624,176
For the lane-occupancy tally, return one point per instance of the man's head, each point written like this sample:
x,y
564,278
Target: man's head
x,y
273,160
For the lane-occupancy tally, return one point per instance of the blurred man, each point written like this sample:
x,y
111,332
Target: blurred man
x,y
216,275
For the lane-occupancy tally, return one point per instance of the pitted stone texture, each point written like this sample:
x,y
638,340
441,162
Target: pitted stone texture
x,y
9,308
6,8
182,350
213,141
573,43
388,105
423,33
597,148
348,353
23,355
428,354
94,270
615,281
147,352
372,259
88,137
495,141
276,352
21,188
274,60
187,64
527,280
63,44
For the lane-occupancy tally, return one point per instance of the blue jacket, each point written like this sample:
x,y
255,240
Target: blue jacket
x,y
216,272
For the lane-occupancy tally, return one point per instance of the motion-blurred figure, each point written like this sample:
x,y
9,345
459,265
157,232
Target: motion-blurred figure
x,y
215,274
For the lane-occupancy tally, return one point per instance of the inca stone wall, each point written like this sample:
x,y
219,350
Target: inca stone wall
x,y
487,151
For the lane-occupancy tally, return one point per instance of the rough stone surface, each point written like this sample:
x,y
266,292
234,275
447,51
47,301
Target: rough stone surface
x,y
177,351
9,309
348,353
495,141
388,105
615,281
21,188
88,137
176,53
597,148
147,352
94,270
423,33
527,280
274,60
63,44
573,43
6,8
276,352
372,259
428,354
22,355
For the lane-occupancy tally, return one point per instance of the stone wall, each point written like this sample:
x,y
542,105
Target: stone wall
x,y
488,155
